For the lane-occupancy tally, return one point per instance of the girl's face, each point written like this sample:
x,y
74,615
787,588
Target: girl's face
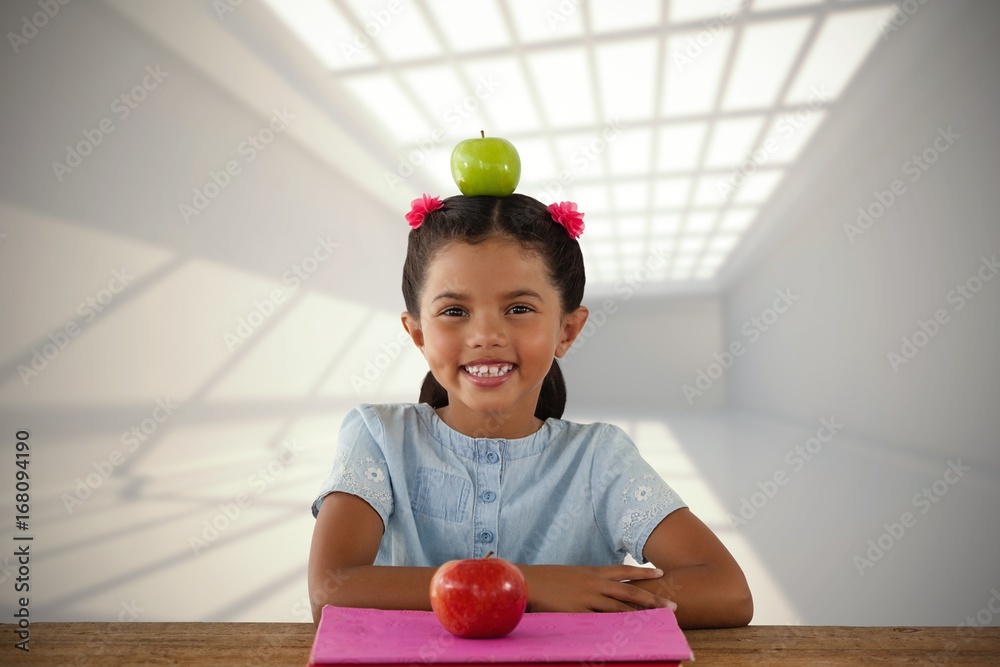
x,y
490,325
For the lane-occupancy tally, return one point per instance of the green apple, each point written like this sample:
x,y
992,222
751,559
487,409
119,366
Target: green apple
x,y
486,166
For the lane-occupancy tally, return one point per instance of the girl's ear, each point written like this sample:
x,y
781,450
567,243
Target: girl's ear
x,y
572,325
412,327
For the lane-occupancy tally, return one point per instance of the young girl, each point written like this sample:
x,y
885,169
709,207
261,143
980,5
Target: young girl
x,y
484,461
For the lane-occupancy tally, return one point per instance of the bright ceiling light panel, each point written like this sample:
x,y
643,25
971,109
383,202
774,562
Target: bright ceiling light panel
x,y
767,5
693,68
563,80
470,26
619,66
396,110
682,11
401,35
611,17
672,133
630,152
541,22
763,60
500,85
844,41
326,32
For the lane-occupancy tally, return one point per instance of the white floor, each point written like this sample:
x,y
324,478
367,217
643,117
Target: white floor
x,y
846,532
659,444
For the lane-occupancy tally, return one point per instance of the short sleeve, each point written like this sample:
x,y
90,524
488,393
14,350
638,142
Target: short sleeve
x,y
359,466
630,498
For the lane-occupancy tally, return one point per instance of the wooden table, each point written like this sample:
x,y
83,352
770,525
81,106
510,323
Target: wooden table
x,y
281,644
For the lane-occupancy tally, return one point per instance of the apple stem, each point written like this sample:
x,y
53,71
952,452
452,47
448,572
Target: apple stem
x,y
487,555
482,133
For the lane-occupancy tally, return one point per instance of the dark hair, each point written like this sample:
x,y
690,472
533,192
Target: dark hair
x,y
517,218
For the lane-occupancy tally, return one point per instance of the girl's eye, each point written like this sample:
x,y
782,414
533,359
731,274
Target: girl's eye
x,y
453,311
517,310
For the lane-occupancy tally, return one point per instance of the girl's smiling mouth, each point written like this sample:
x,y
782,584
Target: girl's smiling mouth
x,y
489,369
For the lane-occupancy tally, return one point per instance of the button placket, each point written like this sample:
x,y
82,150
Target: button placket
x,y
487,512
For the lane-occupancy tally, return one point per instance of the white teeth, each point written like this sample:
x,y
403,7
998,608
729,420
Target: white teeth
x,y
487,371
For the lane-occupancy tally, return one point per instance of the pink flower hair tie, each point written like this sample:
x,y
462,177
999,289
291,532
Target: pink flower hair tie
x,y
565,214
420,207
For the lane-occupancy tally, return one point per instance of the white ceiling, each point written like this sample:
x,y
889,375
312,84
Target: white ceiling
x,y
670,123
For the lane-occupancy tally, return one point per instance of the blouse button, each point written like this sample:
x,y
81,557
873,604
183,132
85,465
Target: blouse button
x,y
492,457
488,496
486,536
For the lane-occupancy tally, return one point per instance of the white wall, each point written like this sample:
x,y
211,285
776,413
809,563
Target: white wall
x,y
162,337
120,514
640,352
160,340
827,356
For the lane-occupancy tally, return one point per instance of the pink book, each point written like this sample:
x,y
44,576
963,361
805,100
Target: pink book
x,y
348,635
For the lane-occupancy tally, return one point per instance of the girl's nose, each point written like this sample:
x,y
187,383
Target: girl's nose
x,y
486,331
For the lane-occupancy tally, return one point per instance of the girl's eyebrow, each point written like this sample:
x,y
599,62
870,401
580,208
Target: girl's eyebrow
x,y
509,295
449,295
523,292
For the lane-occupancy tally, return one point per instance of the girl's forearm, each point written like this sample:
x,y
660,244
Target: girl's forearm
x,y
707,596
375,586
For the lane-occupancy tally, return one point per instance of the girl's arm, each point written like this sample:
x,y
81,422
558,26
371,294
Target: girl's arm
x,y
346,539
700,574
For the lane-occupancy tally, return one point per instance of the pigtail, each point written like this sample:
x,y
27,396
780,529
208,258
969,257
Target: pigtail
x,y
432,392
551,398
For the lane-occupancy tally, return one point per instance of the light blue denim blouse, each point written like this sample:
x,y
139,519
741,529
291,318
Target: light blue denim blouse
x,y
570,494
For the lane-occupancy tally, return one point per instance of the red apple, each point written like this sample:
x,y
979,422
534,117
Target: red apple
x,y
479,597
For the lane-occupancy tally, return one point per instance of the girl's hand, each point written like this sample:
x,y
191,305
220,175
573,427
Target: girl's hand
x,y
579,588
